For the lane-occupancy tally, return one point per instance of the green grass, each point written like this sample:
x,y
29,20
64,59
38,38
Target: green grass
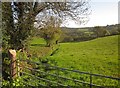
x,y
36,40
37,48
98,56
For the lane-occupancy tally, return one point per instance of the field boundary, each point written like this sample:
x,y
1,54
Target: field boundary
x,y
56,68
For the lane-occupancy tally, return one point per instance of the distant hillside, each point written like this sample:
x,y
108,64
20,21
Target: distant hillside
x,y
108,27
88,33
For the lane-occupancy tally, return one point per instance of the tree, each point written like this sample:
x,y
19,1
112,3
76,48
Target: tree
x,y
100,31
15,30
19,17
7,24
51,31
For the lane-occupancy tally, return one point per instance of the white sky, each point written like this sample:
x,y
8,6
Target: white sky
x,y
104,12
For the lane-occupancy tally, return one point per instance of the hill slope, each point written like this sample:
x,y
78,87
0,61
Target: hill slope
x,y
99,56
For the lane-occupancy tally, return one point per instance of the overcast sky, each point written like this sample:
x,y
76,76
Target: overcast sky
x,y
104,12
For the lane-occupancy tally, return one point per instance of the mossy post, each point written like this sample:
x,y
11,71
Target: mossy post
x,y
13,70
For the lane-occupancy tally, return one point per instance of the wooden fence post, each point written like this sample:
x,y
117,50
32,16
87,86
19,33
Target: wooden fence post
x,y
13,70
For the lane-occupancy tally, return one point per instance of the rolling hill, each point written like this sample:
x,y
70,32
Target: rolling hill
x,y
99,56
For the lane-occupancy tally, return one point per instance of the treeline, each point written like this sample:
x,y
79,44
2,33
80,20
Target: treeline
x,y
88,33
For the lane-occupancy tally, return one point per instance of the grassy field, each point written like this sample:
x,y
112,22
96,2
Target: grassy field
x,y
98,56
38,49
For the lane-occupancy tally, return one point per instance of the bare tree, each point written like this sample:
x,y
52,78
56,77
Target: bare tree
x,y
77,11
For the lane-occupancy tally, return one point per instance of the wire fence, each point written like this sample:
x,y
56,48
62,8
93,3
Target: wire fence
x,y
43,74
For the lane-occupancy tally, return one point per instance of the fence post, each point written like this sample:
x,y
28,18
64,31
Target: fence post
x,y
12,56
90,81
